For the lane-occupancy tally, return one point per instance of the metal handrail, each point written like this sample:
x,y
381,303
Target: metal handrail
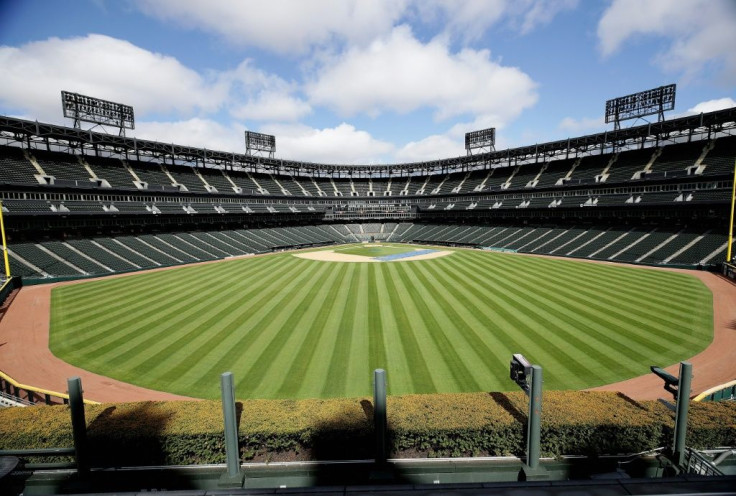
x,y
45,392
15,399
696,463
714,389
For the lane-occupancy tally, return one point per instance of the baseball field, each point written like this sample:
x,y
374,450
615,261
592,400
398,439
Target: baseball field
x,y
290,327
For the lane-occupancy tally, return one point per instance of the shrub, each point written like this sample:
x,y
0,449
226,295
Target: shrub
x,y
466,424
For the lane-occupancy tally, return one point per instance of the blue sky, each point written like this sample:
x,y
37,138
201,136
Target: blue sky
x,y
364,81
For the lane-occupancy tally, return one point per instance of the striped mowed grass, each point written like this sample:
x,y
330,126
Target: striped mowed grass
x,y
294,328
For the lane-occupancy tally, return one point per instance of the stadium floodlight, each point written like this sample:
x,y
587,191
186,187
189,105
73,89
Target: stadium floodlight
x,y
483,140
256,143
84,108
650,102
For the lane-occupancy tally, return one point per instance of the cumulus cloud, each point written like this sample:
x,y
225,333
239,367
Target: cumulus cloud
x,y
283,26
712,105
34,75
541,12
205,133
343,144
286,26
154,84
700,32
261,96
466,19
430,148
400,74
272,106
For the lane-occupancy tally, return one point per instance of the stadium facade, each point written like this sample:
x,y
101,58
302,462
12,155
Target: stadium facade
x,y
78,203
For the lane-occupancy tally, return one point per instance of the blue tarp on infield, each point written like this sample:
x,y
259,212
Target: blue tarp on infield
x,y
397,256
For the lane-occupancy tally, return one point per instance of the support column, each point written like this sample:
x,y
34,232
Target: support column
x,y
534,424
531,469
683,404
379,415
79,424
233,477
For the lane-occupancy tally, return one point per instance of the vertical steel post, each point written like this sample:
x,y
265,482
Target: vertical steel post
x,y
79,424
379,414
232,453
5,245
729,250
534,423
683,403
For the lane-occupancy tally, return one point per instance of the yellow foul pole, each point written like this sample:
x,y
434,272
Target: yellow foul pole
x,y
5,246
730,226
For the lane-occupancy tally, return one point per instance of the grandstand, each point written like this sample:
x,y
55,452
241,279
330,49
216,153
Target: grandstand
x,y
80,203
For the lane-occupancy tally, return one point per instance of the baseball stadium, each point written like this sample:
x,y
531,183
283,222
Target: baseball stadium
x,y
557,316
149,270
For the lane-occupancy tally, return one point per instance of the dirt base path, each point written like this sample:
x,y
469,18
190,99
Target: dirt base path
x,y
713,366
25,354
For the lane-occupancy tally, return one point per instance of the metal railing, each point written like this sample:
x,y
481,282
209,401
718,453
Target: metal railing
x,y
696,463
75,400
31,395
10,400
722,392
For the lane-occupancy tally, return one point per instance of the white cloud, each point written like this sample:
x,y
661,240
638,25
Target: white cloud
x,y
198,132
700,32
257,95
582,125
400,74
430,148
272,106
542,12
469,20
283,26
466,19
296,27
154,84
343,144
34,75
712,105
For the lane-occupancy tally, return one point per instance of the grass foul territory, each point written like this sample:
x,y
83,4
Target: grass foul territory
x,y
294,328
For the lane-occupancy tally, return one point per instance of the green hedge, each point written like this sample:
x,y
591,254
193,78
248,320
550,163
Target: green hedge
x,y
472,424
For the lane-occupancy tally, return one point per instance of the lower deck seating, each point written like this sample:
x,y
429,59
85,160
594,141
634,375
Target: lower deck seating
x,y
689,246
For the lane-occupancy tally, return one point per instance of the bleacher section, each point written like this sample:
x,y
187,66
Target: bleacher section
x,y
189,179
690,246
111,170
627,164
721,159
154,175
76,208
15,168
64,168
702,158
654,246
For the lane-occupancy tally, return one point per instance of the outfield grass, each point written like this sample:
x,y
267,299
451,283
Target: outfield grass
x,y
294,328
